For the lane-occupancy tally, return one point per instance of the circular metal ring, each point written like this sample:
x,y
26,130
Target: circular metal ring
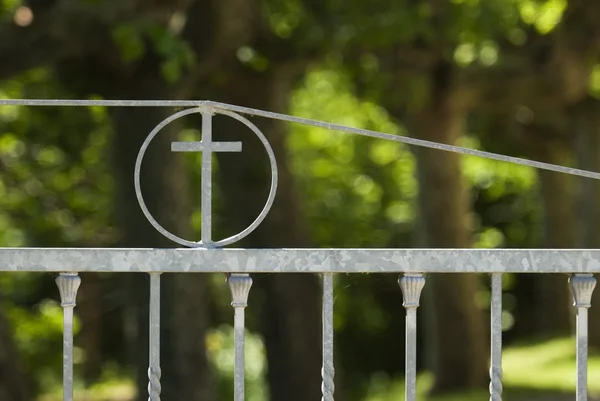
x,y
233,238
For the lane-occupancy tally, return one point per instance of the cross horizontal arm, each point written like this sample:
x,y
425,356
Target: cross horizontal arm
x,y
199,147
301,260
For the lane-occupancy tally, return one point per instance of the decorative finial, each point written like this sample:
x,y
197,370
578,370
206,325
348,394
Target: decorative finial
x,y
239,284
68,284
411,285
582,288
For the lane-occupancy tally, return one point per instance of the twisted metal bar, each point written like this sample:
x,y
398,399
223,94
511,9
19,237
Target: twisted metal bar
x,y
582,288
304,121
154,371
496,339
411,285
154,387
496,387
328,368
68,284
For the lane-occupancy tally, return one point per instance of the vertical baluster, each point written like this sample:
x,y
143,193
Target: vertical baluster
x,y
239,284
582,287
154,372
68,284
496,339
328,368
411,285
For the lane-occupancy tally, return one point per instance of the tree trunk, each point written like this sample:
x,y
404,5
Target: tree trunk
x,y
586,121
290,320
13,384
89,310
457,333
552,306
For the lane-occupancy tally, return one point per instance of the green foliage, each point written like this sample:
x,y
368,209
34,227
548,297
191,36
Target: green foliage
x,y
595,82
364,190
219,346
38,334
176,54
284,16
8,7
56,189
130,42
347,175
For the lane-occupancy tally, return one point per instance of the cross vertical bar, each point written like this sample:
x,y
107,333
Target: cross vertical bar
x,y
154,371
328,368
411,285
206,202
68,284
496,339
240,285
582,287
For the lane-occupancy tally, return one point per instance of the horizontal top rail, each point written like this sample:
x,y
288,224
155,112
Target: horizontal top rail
x,y
303,260
305,121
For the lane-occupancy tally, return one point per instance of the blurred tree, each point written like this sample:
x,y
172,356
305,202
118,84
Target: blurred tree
x,y
455,58
13,381
448,62
585,121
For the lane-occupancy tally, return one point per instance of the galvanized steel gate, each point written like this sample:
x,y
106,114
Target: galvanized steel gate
x,y
207,256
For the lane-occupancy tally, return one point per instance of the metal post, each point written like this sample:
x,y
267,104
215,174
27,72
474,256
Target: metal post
x,y
239,284
68,284
582,287
496,339
328,369
411,285
154,371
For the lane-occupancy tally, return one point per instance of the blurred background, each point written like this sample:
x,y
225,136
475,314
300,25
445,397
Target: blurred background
x,y
518,77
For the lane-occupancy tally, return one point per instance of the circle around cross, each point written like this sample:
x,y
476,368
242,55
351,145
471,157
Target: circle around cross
x,y
207,112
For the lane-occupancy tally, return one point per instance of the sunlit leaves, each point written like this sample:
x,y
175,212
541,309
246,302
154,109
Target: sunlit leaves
x,y
357,185
543,14
595,82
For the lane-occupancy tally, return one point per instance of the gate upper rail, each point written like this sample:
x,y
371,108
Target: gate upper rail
x,y
300,260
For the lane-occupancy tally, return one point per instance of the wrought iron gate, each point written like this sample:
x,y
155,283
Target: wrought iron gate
x,y
208,255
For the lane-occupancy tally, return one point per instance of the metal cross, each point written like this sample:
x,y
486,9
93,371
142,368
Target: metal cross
x,y
207,147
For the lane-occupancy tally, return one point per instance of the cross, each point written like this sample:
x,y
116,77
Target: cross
x,y
207,147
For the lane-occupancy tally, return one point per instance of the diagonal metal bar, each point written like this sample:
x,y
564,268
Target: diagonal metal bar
x,y
305,121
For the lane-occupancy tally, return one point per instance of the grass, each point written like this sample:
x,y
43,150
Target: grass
x,y
531,372
548,365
